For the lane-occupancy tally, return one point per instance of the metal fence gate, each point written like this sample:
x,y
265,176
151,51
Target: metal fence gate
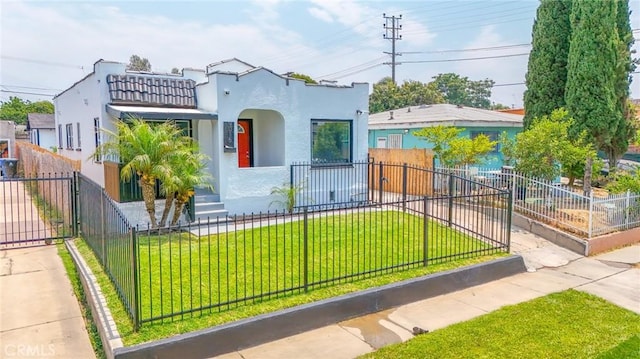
x,y
36,211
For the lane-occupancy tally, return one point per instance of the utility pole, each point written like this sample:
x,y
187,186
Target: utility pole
x,y
392,25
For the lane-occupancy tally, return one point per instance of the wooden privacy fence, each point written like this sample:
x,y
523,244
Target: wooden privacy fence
x,y
398,178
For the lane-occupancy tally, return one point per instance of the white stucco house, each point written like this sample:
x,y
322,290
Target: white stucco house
x,y
42,130
251,122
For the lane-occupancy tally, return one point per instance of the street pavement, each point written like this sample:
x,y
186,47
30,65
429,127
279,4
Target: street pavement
x,y
39,313
614,276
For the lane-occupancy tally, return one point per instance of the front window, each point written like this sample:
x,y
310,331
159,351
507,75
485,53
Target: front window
x,y
331,141
69,128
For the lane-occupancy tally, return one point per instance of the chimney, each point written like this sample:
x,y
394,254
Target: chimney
x,y
408,109
391,115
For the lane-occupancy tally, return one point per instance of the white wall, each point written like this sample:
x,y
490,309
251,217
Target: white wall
x,y
44,137
248,189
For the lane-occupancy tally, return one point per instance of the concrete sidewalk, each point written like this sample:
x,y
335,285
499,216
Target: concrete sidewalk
x,y
614,276
40,315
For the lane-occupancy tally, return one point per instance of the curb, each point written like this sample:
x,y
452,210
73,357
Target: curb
x,y
283,323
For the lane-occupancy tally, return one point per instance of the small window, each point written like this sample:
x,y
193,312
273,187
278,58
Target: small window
x,y
381,142
69,128
97,136
59,136
331,141
493,136
395,141
78,134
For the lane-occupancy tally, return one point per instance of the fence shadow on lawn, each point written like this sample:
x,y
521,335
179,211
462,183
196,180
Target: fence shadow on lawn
x,y
193,269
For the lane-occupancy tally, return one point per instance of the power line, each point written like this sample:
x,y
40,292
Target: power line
x,y
356,72
41,62
503,47
29,93
511,84
354,67
464,59
30,88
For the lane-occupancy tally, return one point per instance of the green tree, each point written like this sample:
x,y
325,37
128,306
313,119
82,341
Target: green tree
x,y
385,96
306,78
137,63
624,132
590,93
547,68
144,150
416,93
459,90
175,71
451,150
17,109
546,149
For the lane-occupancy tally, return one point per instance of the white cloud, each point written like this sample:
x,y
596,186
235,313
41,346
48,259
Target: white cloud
x,y
320,14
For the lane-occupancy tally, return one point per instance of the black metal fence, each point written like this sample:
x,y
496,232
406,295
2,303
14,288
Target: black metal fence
x,y
173,273
36,210
113,240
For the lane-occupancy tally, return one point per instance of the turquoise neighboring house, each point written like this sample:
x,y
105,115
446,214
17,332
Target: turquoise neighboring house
x,y
394,129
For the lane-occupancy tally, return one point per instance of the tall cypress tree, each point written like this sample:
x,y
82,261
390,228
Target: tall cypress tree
x,y
625,129
590,93
547,69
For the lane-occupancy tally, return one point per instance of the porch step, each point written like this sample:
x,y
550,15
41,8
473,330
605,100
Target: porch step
x,y
209,209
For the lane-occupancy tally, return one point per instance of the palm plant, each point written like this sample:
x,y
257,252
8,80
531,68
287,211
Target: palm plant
x,y
190,173
188,170
143,149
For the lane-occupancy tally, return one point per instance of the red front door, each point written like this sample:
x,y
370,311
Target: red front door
x,y
245,155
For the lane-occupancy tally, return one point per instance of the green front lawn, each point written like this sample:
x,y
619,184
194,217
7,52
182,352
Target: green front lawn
x,y
569,324
181,270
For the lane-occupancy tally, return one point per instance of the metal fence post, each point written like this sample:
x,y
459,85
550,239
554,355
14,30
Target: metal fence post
x,y
590,230
513,189
305,242
425,234
380,182
404,187
74,203
509,216
103,235
450,199
627,208
136,285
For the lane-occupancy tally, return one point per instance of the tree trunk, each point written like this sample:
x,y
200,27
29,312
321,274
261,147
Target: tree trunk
x,y
167,207
149,196
177,212
613,158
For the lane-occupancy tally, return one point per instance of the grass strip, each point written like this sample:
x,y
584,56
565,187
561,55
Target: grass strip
x,y
569,324
78,290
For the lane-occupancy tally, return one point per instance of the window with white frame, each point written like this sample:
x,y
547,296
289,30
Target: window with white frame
x,y
395,141
331,141
69,128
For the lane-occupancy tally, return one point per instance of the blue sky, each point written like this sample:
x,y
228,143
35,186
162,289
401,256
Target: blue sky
x,y
48,45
